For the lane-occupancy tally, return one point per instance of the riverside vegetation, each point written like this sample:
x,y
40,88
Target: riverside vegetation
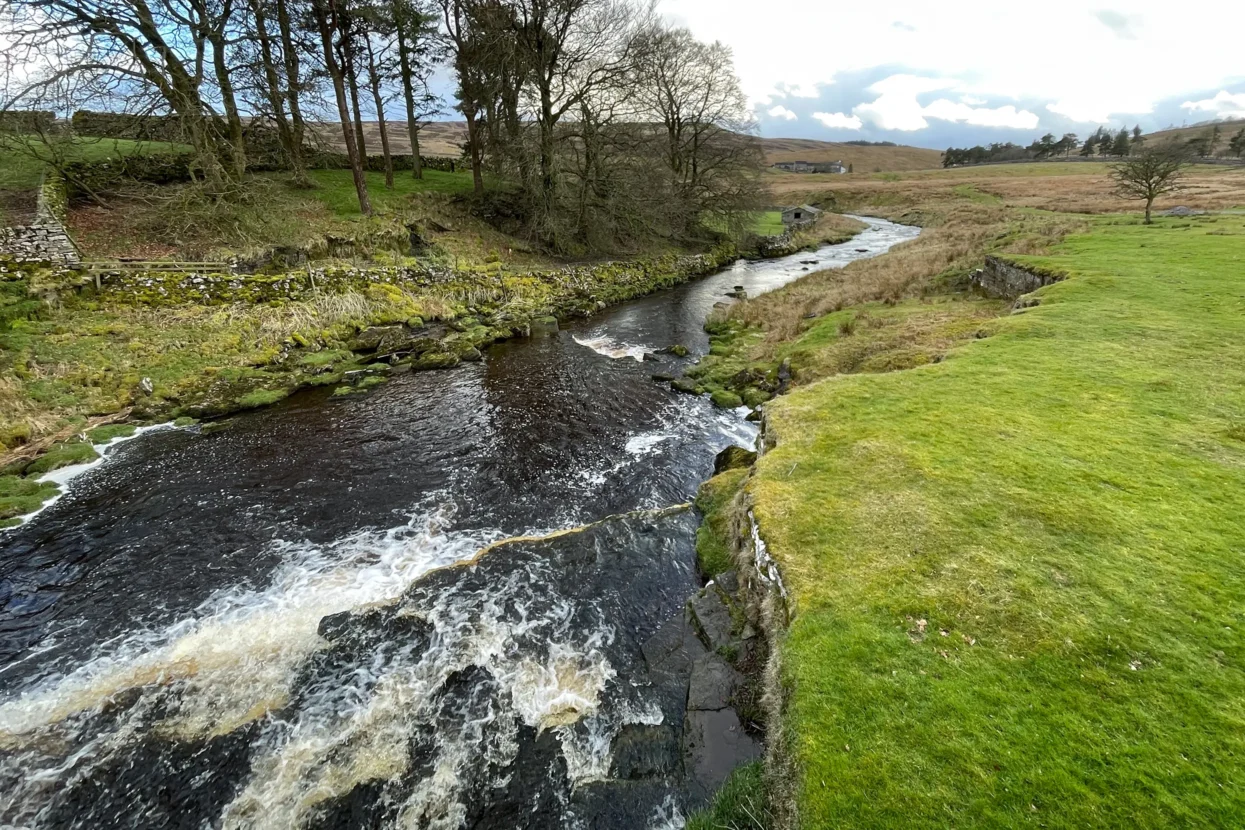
x,y
164,346
1010,537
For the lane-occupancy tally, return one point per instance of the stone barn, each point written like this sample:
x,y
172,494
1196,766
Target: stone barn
x,y
801,215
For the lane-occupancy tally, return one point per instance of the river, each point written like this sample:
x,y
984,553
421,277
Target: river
x,y
255,626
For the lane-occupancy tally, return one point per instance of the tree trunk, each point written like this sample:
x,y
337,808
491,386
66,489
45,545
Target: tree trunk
x,y
352,81
276,97
1149,203
237,140
408,95
298,128
473,143
374,81
339,91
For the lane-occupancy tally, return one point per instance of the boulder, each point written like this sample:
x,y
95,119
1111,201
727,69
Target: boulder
x,y
714,744
733,458
435,360
544,325
369,339
685,385
784,375
728,581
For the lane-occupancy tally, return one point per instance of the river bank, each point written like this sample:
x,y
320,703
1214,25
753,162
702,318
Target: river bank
x,y
88,352
288,605
1006,549
151,347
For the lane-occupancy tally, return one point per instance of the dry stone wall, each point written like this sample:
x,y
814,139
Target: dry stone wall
x,y
45,238
1004,280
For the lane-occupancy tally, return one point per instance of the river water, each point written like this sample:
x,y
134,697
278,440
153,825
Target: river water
x,y
255,626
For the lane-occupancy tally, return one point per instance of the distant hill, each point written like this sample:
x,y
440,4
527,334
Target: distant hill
x,y
439,138
864,159
445,138
1226,130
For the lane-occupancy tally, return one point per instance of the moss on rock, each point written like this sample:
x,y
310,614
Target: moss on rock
x,y
62,455
435,360
19,496
104,434
262,397
713,540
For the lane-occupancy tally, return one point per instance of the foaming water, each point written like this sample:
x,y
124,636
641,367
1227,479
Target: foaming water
x,y
253,628
238,650
605,345
63,476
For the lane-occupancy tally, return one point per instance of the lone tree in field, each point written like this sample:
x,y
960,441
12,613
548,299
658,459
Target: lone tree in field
x,y
1149,174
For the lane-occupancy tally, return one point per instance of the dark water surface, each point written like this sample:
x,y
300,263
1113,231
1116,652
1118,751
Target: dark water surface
x,y
253,627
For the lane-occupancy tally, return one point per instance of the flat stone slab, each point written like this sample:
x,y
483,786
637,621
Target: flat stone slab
x,y
714,744
713,683
712,618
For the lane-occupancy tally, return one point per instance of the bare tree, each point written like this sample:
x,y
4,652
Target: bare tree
x,y
378,46
161,46
572,48
279,88
1150,174
691,91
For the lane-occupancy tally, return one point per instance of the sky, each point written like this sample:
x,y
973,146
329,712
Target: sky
x,y
964,72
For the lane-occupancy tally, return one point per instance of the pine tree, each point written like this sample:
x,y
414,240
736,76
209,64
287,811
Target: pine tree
x,y
1088,149
1236,146
1121,145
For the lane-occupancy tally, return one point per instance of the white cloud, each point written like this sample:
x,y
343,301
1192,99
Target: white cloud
x,y
839,120
1097,73
898,108
1223,105
797,90
782,112
1007,116
1124,25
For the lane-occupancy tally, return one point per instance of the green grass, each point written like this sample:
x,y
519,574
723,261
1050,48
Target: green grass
x,y
104,434
1017,574
336,189
768,223
62,455
741,804
19,170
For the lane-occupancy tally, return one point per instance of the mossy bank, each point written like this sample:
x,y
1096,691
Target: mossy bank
x,y
78,349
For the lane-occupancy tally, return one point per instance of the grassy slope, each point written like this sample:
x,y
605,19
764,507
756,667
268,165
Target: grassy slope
x,y
1227,129
336,189
1017,573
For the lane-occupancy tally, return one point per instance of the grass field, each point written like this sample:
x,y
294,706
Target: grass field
x,y
1017,572
336,188
769,223
20,170
1080,187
